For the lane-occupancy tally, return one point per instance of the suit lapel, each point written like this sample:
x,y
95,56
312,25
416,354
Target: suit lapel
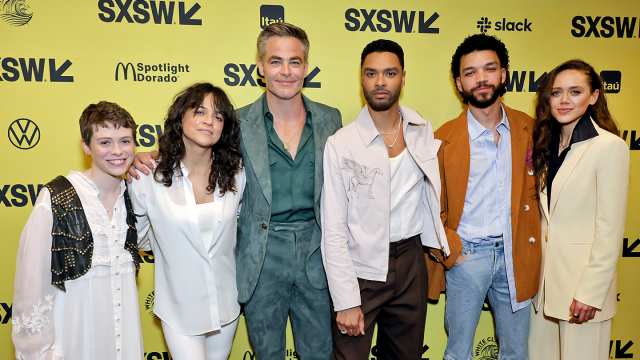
x,y
543,204
254,138
519,143
457,157
570,162
320,136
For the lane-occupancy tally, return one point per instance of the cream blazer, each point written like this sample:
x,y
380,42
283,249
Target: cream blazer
x,y
583,227
356,205
195,286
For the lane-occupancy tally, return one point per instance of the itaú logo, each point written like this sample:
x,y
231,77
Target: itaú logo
x,y
24,134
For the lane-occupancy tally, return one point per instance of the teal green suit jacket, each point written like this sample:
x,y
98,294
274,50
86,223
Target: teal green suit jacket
x,y
253,224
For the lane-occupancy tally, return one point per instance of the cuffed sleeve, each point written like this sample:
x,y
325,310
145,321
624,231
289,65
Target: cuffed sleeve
x,y
611,208
341,275
33,296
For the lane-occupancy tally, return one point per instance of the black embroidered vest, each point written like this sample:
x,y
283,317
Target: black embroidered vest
x,y
72,241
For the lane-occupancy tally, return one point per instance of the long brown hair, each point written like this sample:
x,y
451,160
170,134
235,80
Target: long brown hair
x,y
226,153
545,121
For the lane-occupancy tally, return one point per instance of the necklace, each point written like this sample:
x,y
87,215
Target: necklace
x,y
394,141
563,146
286,144
391,133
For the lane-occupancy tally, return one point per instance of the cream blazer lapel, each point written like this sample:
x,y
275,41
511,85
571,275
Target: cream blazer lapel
x,y
570,162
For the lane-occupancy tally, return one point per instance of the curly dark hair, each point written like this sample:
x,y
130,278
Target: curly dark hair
x,y
480,42
226,153
382,45
545,121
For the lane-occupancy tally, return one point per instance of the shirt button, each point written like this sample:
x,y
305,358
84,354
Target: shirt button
x,y
532,240
497,157
113,226
116,241
115,209
118,304
501,212
500,185
118,350
530,171
118,289
117,273
118,320
118,335
117,257
219,221
264,226
526,208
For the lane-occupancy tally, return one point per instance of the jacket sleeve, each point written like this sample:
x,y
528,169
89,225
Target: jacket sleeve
x,y
611,210
33,295
138,202
341,275
453,239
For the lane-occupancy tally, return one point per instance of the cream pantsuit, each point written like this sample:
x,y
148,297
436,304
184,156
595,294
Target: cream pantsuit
x,y
583,229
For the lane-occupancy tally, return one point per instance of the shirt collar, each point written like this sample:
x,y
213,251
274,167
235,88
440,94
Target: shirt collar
x,y
368,131
266,112
476,129
584,129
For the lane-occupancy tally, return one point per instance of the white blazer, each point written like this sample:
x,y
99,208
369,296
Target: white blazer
x,y
355,219
195,287
584,226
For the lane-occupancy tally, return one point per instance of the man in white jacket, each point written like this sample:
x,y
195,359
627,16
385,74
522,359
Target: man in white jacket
x,y
381,204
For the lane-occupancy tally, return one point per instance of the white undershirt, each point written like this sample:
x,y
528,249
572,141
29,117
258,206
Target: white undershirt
x,y
406,190
206,215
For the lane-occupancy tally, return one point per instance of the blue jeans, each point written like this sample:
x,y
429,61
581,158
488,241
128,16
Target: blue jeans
x,y
483,274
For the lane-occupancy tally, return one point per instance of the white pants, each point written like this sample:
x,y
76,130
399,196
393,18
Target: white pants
x,y
554,339
215,345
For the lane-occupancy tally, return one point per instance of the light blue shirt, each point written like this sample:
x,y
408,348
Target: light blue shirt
x,y
487,205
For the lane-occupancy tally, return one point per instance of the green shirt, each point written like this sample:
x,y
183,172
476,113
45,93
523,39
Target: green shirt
x,y
292,181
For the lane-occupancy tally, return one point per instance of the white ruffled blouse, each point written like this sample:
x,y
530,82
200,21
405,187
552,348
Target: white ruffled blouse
x,y
97,317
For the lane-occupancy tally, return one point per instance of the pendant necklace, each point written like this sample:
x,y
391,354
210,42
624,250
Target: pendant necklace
x,y
286,144
394,141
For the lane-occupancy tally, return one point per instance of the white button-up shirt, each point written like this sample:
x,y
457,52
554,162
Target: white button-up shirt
x,y
195,286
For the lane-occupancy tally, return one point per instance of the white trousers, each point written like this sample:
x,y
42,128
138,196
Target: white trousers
x,y
554,339
215,345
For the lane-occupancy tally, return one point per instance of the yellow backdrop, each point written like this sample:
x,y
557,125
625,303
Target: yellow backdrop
x,y
56,57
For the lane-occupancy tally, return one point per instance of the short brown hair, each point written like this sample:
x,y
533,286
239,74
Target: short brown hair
x,y
103,114
284,30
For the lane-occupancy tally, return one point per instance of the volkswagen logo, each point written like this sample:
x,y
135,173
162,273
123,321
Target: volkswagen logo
x,y
24,134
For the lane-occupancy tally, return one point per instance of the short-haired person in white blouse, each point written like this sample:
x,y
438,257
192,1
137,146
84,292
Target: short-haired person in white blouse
x,y
75,294
189,210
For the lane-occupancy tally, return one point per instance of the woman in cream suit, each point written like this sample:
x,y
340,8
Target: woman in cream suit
x,y
582,171
189,210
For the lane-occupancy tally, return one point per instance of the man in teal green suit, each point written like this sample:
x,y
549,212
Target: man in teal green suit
x,y
279,264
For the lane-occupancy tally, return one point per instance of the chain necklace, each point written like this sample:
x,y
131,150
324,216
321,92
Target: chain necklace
x,y
286,144
398,135
391,133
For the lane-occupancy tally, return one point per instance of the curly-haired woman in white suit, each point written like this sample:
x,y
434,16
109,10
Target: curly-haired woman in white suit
x,y
582,171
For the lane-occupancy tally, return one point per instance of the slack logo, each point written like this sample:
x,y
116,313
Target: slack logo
x,y
271,14
387,20
484,24
611,80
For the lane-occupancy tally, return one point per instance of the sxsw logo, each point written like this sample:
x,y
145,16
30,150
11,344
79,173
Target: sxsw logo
x,y
270,14
145,136
24,134
387,20
621,27
161,12
629,249
6,309
634,144
484,24
33,69
611,80
242,75
18,195
620,351
156,355
517,79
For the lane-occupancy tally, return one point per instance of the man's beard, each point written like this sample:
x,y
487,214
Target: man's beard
x,y
485,101
381,105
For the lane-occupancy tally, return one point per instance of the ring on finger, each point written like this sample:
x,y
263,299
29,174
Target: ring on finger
x,y
343,332
587,317
576,316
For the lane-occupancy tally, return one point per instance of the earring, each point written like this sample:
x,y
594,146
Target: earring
x,y
87,154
